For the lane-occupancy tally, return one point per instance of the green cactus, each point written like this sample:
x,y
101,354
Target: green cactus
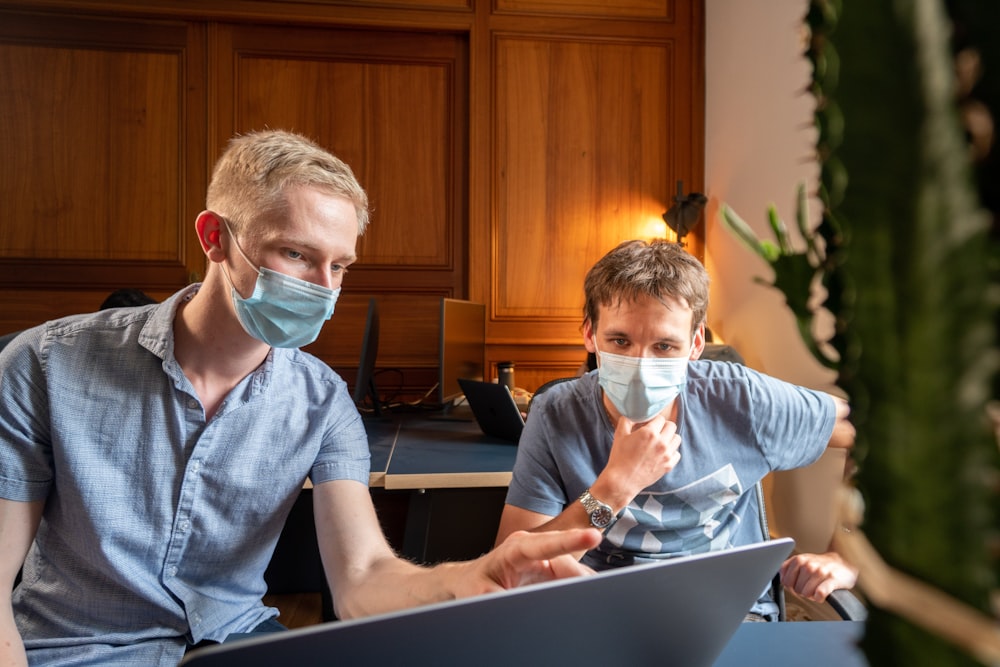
x,y
905,254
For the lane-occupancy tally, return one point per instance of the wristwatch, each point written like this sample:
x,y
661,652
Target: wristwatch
x,y
601,515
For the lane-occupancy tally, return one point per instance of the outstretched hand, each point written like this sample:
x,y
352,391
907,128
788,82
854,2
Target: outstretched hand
x,y
815,576
528,558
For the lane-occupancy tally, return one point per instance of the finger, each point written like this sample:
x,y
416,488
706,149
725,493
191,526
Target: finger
x,y
544,556
674,459
674,442
530,547
567,566
797,583
790,573
824,589
561,567
658,425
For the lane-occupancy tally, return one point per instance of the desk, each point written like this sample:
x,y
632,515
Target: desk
x,y
447,454
791,644
454,479
422,453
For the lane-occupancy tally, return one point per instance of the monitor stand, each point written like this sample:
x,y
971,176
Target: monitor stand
x,y
378,412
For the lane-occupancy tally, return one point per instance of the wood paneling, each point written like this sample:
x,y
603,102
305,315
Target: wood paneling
x,y
583,158
662,9
395,4
591,129
23,309
505,145
102,129
392,105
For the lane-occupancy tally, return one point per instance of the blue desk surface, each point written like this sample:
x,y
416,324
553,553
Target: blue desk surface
x,y
813,643
425,453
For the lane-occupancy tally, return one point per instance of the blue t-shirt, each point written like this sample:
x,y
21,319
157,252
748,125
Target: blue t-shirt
x,y
736,426
158,524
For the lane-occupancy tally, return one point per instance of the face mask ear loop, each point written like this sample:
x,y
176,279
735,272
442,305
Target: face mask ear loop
x,y
236,244
229,279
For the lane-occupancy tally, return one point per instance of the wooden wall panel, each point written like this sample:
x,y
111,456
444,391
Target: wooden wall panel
x,y
398,120
663,9
23,309
584,160
393,106
78,206
102,130
396,4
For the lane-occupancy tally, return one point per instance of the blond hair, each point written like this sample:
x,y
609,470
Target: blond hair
x,y
250,178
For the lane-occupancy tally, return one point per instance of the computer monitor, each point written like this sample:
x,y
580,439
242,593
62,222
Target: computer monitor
x,y
365,388
463,346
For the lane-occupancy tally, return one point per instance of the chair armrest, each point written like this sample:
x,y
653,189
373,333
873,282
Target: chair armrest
x,y
847,604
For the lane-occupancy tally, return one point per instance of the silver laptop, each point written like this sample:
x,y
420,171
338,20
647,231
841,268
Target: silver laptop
x,y
494,409
681,611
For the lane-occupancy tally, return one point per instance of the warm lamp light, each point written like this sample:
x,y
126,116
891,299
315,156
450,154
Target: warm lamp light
x,y
653,228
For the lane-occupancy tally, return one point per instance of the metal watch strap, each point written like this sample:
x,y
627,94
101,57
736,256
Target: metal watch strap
x,y
601,515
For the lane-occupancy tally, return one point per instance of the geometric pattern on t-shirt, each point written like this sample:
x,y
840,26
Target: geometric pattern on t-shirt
x,y
696,518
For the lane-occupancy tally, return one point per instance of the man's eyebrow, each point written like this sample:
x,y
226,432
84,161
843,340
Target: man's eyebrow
x,y
615,334
306,245
672,340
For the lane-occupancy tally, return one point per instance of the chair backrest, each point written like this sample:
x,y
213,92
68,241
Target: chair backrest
x,y
548,385
777,590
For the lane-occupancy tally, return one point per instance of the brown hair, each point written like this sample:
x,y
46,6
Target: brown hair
x,y
637,268
251,176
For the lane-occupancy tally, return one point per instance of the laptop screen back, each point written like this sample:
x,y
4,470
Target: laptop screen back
x,y
494,408
677,612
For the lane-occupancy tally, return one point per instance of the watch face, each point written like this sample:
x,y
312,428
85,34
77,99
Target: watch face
x,y
602,517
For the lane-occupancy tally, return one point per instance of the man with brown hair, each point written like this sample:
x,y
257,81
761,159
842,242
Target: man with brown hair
x,y
660,451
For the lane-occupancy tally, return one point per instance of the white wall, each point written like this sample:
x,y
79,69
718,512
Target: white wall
x,y
759,138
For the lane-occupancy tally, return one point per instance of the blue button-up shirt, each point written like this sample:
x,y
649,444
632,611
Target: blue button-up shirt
x,y
158,524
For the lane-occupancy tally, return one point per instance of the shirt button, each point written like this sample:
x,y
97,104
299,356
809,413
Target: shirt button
x,y
192,403
185,525
172,572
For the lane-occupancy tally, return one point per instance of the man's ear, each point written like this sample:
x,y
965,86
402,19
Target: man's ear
x,y
588,336
209,226
698,345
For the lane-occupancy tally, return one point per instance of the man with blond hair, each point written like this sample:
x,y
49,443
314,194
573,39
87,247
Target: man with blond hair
x,y
149,456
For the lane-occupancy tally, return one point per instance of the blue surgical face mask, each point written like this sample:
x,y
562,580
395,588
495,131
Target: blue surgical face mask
x,y
641,387
282,311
